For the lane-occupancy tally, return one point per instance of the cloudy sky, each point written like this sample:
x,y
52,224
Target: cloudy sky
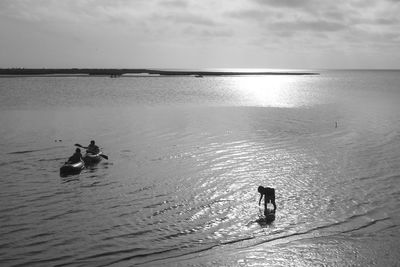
x,y
291,34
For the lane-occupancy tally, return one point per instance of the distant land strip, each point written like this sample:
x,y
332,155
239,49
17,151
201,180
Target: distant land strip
x,y
120,72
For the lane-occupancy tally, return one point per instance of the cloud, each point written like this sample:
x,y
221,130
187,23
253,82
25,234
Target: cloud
x,y
256,15
224,25
185,18
73,10
386,21
174,4
288,3
208,32
308,26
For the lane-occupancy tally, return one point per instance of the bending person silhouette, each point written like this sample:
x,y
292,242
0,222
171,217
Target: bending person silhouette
x,y
269,196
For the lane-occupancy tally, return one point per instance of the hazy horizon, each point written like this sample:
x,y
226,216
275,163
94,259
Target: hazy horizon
x,y
209,68
177,34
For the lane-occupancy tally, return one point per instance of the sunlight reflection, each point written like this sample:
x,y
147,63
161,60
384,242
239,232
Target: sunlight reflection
x,y
271,91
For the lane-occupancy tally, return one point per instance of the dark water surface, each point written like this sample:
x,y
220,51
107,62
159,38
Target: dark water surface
x,y
186,156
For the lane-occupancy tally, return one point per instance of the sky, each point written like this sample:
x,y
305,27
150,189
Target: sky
x,y
192,34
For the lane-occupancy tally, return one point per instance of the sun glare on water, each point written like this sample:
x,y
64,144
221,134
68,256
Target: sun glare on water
x,y
269,91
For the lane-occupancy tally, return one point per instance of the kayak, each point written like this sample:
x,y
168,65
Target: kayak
x,y
91,159
72,168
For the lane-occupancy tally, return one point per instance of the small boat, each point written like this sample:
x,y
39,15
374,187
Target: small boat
x,y
72,168
90,158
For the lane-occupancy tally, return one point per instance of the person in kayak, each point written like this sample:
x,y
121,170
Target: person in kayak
x,y
76,157
92,148
269,196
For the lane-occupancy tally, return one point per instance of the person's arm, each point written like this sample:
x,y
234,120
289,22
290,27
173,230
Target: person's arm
x,y
259,202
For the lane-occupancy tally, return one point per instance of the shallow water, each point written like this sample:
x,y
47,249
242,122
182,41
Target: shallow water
x,y
186,156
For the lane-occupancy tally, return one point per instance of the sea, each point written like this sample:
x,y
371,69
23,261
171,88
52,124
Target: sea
x,y
185,158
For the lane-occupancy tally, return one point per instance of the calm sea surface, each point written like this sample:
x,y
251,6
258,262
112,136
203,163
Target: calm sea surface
x,y
186,156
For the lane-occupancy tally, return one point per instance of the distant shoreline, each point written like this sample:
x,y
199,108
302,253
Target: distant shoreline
x,y
135,72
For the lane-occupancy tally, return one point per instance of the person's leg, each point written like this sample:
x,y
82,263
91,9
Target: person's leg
x,y
273,198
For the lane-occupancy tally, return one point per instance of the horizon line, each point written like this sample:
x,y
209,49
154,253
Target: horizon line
x,y
148,71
